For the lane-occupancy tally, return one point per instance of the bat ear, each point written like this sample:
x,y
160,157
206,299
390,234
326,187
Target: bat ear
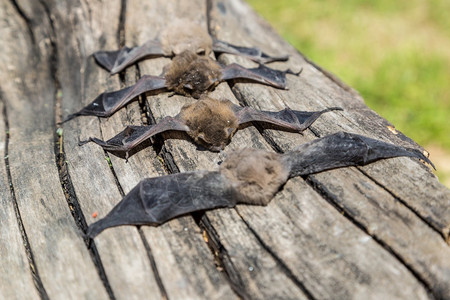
x,y
230,132
201,137
188,86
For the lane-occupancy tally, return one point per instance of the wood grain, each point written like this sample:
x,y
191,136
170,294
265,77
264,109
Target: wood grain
x,y
374,232
182,258
122,252
29,93
364,201
314,90
15,273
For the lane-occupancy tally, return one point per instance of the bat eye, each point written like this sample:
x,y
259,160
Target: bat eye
x,y
201,51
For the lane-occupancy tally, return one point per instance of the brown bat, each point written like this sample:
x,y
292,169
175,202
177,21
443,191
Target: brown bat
x,y
180,36
210,123
188,74
248,176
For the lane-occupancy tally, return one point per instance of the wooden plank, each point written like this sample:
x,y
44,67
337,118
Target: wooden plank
x,y
29,94
184,262
187,157
182,149
15,273
315,89
400,229
122,251
316,249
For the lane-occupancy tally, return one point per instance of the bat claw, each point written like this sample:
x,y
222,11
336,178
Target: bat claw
x,y
81,143
289,71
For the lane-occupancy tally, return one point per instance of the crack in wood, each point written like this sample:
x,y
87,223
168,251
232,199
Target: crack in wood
x,y
143,103
29,252
145,118
322,191
404,203
76,211
122,19
445,235
26,19
153,265
111,167
330,199
60,160
217,249
327,195
283,266
222,258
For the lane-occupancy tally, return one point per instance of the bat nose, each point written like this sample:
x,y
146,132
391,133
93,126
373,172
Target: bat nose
x,y
217,147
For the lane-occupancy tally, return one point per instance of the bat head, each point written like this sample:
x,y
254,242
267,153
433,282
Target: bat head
x,y
191,75
212,123
184,35
256,174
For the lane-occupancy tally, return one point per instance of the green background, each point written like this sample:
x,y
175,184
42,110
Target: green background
x,y
396,54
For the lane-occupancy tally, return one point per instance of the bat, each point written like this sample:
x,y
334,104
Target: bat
x,y
176,38
247,176
210,123
189,74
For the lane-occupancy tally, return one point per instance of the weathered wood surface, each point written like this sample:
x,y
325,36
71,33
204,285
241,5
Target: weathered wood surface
x,y
379,231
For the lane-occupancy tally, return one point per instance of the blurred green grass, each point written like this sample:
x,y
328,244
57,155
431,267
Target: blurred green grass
x,y
396,54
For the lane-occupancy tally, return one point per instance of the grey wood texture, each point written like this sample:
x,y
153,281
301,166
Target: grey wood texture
x,y
374,232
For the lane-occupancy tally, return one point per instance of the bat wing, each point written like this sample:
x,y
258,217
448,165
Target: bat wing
x,y
108,103
341,150
287,118
254,54
156,200
134,135
262,74
116,61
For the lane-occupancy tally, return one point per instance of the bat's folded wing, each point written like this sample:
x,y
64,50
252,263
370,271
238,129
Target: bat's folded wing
x,y
156,200
132,136
262,74
117,61
108,103
341,150
254,54
287,118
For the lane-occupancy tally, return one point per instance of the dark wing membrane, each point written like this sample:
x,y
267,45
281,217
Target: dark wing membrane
x,y
107,59
108,103
156,200
134,135
116,61
262,74
254,54
341,150
287,118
